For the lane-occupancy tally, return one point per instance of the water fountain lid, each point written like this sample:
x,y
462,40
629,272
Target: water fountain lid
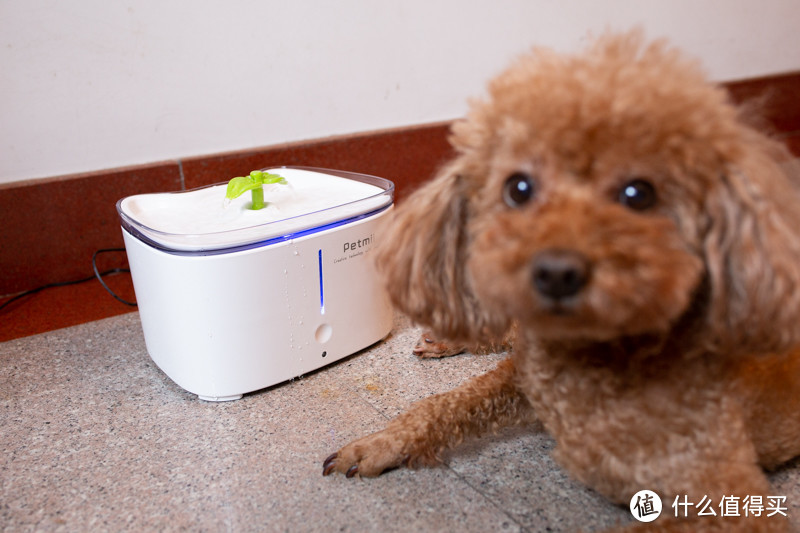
x,y
201,221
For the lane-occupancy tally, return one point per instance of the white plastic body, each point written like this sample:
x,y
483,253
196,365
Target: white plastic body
x,y
224,325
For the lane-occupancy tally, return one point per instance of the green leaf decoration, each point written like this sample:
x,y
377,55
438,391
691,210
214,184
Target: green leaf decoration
x,y
254,183
239,186
270,179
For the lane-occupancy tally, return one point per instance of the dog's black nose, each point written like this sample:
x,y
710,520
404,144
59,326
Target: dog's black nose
x,y
559,273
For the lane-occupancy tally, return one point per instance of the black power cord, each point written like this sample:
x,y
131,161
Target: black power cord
x,y
97,274
100,276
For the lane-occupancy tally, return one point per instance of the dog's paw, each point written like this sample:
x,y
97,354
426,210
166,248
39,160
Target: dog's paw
x,y
368,457
428,348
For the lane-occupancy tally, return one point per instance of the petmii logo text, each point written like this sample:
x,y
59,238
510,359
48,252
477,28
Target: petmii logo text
x,y
360,244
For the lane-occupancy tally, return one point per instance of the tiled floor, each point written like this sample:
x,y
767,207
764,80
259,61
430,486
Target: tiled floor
x,y
93,436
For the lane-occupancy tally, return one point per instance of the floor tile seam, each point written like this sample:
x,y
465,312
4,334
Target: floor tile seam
x,y
491,501
364,399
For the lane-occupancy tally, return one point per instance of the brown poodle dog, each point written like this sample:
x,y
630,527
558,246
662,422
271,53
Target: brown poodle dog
x,y
645,243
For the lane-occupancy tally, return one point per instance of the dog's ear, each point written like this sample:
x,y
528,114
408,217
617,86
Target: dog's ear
x,y
422,257
752,250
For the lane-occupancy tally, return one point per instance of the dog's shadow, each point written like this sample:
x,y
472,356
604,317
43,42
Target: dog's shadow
x,y
515,469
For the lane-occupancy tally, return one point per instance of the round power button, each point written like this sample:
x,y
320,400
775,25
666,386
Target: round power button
x,y
323,333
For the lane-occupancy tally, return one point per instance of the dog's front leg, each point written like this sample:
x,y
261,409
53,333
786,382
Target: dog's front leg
x,y
430,426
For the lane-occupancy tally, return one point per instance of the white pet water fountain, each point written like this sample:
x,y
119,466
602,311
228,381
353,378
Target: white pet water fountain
x,y
233,300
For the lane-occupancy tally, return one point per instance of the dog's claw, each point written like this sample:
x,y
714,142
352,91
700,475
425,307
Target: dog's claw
x,y
369,456
329,464
419,348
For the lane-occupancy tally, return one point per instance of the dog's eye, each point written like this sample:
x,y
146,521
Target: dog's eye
x,y
518,190
638,194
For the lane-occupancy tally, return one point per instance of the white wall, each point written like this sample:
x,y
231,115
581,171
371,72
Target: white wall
x,y
93,84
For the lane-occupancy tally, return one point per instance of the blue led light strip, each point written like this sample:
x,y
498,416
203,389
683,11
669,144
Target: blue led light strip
x,y
321,287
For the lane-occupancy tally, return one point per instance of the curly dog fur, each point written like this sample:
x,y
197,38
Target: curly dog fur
x,y
644,242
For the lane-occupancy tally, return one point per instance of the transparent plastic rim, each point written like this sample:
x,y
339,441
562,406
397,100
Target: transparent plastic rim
x,y
150,236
